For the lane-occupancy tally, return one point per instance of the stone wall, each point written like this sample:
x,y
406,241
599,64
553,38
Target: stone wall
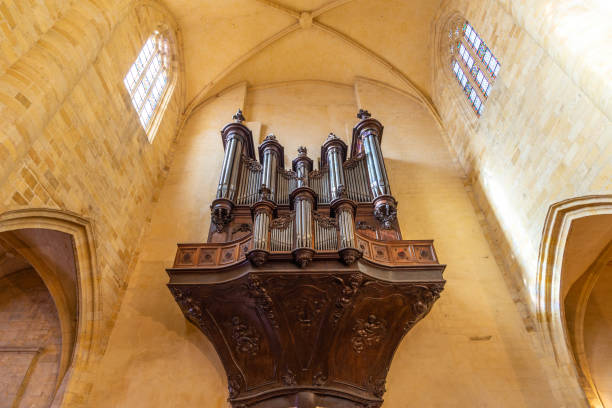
x,y
540,140
30,341
473,345
72,141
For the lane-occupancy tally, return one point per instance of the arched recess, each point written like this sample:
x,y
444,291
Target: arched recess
x,y
76,360
447,30
552,286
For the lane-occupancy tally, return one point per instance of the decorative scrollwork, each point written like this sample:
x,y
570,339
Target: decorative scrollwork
x,y
233,385
325,222
246,339
242,228
378,386
318,173
349,290
363,114
289,378
319,379
353,161
362,225
251,164
262,299
190,306
386,214
282,222
238,116
289,174
425,296
368,333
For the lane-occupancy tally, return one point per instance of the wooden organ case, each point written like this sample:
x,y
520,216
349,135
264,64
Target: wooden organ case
x,y
305,286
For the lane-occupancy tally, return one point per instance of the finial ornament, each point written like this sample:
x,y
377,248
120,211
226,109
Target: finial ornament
x,y
302,151
332,136
238,117
363,114
271,136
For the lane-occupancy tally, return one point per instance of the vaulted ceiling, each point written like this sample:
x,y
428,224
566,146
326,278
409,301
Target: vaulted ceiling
x,y
263,41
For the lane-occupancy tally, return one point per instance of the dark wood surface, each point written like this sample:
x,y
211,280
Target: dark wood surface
x,y
323,335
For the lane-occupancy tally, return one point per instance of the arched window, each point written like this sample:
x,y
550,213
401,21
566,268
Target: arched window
x,y
473,64
148,79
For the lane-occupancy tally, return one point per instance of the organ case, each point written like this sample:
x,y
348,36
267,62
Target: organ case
x,y
305,286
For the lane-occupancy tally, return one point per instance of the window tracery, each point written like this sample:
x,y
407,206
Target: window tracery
x,y
147,80
474,66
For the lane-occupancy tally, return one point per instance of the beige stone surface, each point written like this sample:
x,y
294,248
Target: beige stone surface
x,y
30,341
540,140
71,141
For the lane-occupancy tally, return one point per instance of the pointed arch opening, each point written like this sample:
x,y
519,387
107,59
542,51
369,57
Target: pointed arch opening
x,y
59,247
576,247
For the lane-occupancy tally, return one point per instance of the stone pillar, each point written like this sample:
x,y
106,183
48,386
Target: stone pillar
x,y
369,131
271,155
236,137
303,200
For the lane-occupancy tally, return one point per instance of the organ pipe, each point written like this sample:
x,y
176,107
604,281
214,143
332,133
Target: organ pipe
x,y
368,133
271,154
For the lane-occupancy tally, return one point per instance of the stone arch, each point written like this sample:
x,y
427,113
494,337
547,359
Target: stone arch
x,y
550,288
76,360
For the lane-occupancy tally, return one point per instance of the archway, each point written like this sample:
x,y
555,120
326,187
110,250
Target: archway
x,y
59,246
575,247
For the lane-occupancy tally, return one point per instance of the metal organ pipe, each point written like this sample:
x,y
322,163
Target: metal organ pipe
x,y
270,153
369,131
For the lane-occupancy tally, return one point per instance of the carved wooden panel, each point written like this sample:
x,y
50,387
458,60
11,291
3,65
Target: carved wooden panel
x,y
324,336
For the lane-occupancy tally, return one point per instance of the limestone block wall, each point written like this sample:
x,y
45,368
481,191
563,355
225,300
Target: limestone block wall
x,y
541,139
74,142
30,341
23,23
473,345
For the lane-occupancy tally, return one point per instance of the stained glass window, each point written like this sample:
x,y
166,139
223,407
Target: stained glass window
x,y
475,66
467,87
147,79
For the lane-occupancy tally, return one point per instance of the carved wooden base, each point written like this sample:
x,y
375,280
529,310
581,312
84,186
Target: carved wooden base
x,y
350,255
303,256
324,336
258,257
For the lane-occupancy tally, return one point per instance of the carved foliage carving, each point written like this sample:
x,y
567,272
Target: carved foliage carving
x,y
368,333
262,299
349,290
246,339
319,379
325,222
289,378
233,386
191,307
282,222
251,164
242,228
424,298
377,386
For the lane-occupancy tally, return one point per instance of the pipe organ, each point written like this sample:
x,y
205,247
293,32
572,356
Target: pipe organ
x,y
305,286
